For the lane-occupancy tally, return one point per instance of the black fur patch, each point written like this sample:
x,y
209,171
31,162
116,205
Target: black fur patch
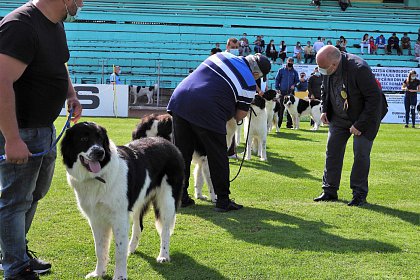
x,y
314,102
258,101
270,94
164,126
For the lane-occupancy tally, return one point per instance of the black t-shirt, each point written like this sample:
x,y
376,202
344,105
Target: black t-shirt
x,y
215,50
412,84
27,35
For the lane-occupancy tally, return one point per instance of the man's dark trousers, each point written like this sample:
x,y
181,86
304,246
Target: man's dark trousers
x,y
336,146
289,123
187,136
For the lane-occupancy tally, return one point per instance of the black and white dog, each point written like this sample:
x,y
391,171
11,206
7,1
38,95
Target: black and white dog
x,y
161,125
257,138
111,181
299,107
139,91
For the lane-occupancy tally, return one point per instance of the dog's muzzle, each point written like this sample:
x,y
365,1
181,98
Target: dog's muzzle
x,y
92,160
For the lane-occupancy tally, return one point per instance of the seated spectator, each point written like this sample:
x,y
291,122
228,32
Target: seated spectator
x,y
244,48
365,43
232,46
318,45
393,43
309,53
344,4
282,51
257,45
337,44
373,47
302,84
329,42
380,42
297,52
316,3
262,43
417,50
406,43
343,44
216,49
271,51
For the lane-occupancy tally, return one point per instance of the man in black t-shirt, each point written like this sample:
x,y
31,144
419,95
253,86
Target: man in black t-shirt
x,y
215,49
34,86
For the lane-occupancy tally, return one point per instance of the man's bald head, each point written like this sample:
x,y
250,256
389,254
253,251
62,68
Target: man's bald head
x,y
328,58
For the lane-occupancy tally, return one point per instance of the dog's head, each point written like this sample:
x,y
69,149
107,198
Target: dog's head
x,y
270,94
289,100
154,125
86,144
258,101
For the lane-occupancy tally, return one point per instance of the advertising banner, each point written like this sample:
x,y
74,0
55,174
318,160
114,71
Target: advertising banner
x,y
396,109
102,100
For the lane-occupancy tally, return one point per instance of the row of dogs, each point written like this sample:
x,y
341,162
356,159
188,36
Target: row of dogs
x,y
111,182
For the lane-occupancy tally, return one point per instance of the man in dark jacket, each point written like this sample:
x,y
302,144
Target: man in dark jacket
x,y
393,43
286,80
352,103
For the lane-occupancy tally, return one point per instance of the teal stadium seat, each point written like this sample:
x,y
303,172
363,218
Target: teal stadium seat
x,y
168,39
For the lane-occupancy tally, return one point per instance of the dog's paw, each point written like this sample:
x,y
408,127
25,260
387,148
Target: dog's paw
x,y
120,277
263,159
95,274
161,259
201,197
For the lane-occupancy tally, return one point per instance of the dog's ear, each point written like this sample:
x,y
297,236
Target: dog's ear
x,y
66,146
270,94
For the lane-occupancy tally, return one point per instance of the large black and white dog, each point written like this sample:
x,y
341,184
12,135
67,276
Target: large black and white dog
x,y
299,107
110,182
161,125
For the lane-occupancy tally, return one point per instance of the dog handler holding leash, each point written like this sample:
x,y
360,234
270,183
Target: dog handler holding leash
x,y
221,88
34,84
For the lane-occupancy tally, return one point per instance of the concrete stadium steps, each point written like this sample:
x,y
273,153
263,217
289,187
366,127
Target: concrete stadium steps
x,y
177,35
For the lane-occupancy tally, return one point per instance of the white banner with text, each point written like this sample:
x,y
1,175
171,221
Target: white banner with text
x,y
102,100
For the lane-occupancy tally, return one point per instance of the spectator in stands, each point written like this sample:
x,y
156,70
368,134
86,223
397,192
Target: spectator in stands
x,y
347,75
309,53
297,52
365,43
343,44
318,45
282,51
410,86
34,85
393,43
262,43
329,42
337,44
417,50
286,80
257,45
202,104
380,42
271,51
406,43
244,48
373,47
316,3
302,84
344,4
232,46
216,49
114,79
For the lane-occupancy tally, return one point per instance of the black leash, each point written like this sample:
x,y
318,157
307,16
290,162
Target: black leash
x,y
246,143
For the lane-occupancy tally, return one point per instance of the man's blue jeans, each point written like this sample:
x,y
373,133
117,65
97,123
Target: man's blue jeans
x,y
21,187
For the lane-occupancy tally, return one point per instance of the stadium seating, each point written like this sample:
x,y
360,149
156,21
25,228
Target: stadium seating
x,y
152,40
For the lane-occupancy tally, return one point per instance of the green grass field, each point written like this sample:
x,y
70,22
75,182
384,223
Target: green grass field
x,y
280,234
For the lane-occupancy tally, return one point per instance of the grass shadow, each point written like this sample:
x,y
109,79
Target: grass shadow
x,y
291,135
185,264
412,218
279,230
276,163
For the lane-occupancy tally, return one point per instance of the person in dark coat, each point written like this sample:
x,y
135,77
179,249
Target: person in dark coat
x,y
352,104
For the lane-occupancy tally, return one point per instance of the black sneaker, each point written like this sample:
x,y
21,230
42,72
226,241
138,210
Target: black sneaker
x,y
27,274
187,201
37,265
225,206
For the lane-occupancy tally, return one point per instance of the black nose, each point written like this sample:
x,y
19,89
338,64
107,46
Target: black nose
x,y
98,153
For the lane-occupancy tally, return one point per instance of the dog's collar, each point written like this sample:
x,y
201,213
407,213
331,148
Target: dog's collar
x,y
100,179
